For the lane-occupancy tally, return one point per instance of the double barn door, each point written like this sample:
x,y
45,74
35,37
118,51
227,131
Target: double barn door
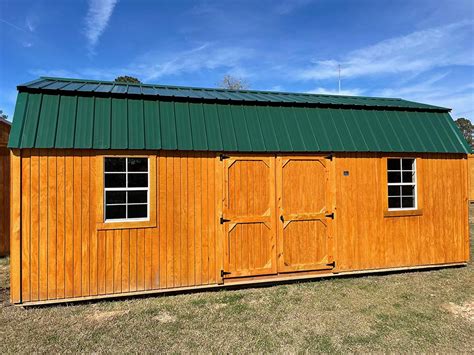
x,y
276,215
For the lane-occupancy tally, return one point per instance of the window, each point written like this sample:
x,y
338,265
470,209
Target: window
x,y
126,189
401,178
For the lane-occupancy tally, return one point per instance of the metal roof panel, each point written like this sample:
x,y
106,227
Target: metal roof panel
x,y
102,117
66,122
51,119
136,124
84,123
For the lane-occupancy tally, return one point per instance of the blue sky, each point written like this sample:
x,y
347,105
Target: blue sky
x,y
421,50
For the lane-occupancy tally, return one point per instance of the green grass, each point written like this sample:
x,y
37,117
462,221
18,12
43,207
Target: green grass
x,y
430,311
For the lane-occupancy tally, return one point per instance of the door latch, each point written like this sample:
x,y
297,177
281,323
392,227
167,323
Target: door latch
x,y
282,218
223,273
330,215
222,220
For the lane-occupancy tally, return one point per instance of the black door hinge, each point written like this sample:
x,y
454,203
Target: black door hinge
x,y
329,157
333,264
223,156
222,220
223,273
330,215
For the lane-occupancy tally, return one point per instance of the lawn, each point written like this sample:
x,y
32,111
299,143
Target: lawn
x,y
429,311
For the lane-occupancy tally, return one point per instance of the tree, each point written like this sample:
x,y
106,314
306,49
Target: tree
x,y
3,115
232,83
467,129
127,79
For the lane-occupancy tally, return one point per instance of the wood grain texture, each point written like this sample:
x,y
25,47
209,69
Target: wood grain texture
x,y
67,253
4,201
15,231
366,239
471,176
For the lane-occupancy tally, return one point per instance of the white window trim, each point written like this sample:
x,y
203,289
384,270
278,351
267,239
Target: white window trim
x,y
415,183
126,189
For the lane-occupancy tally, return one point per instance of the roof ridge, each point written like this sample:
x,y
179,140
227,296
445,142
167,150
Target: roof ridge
x,y
164,86
104,87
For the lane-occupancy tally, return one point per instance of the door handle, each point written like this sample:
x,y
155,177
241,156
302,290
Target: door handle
x,y
282,218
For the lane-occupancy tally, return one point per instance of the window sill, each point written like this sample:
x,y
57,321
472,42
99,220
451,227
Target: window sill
x,y
403,213
126,225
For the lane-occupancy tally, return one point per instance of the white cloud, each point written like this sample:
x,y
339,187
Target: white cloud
x,y
414,53
347,92
433,90
97,19
30,23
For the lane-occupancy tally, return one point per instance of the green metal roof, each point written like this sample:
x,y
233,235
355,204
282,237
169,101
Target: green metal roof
x,y
57,118
97,88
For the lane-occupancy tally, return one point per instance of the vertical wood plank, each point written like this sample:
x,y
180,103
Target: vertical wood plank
x,y
60,224
34,259
169,222
198,218
77,224
117,265
125,260
25,224
69,225
148,258
205,219
93,219
140,259
85,232
43,226
183,212
133,260
15,227
176,237
155,255
212,218
52,220
162,225
109,262
191,211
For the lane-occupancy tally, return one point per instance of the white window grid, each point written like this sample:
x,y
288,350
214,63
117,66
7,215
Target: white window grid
x,y
413,183
126,189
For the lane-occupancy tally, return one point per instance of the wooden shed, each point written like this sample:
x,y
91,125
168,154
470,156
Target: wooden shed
x,y
128,189
4,188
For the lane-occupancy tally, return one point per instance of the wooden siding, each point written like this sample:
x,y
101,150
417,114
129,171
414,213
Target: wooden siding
x,y
471,176
366,239
4,190
66,252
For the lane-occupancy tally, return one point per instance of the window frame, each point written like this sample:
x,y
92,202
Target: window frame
x,y
126,189
414,183
98,195
412,212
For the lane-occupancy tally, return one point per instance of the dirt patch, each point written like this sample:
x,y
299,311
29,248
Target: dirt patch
x,y
465,311
102,316
165,317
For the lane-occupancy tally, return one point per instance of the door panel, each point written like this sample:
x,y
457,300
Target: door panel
x,y
249,216
304,241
